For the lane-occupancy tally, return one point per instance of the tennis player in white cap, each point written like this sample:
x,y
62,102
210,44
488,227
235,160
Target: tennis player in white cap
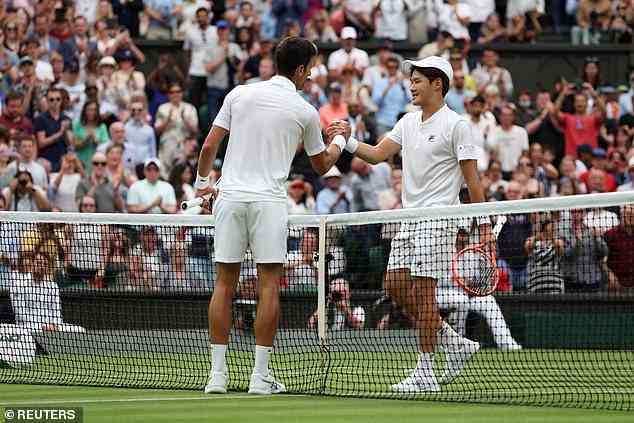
x,y
439,155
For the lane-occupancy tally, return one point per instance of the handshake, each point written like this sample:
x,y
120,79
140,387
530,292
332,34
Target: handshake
x,y
341,128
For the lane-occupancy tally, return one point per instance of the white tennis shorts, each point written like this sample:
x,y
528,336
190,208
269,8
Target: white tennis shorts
x,y
261,226
426,249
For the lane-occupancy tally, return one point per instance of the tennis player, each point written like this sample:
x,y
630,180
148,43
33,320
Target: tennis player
x,y
439,153
266,123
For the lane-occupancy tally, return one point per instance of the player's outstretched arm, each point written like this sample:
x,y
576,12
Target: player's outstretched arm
x,y
325,159
373,154
476,194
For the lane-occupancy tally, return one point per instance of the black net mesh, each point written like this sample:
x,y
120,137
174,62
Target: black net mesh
x,y
126,305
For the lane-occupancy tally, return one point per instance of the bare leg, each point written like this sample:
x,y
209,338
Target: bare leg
x,y
428,318
398,285
268,312
220,304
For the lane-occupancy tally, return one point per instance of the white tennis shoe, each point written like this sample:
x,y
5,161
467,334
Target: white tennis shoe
x,y
418,382
457,357
217,383
265,385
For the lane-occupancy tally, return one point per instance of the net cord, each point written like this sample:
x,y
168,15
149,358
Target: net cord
x,y
585,201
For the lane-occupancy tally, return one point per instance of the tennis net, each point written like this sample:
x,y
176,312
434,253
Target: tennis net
x,y
121,300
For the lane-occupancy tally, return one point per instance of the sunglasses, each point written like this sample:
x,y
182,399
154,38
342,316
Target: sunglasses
x,y
54,99
136,110
95,163
89,205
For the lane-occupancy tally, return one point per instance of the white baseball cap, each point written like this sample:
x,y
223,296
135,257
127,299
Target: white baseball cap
x,y
435,62
332,173
348,32
152,161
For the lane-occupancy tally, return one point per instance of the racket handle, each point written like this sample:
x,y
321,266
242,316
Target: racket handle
x,y
195,202
193,210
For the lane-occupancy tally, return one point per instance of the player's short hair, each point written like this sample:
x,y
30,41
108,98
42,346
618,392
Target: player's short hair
x,y
432,74
293,52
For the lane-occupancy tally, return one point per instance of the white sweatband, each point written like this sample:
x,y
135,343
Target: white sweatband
x,y
339,141
484,220
201,182
352,145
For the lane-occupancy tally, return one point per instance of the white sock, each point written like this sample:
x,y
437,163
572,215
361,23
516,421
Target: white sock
x,y
262,356
449,338
218,357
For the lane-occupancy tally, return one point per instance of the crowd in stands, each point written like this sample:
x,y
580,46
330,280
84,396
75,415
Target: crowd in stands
x,y
82,129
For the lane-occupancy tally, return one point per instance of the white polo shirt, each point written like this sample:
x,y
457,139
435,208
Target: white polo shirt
x,y
199,42
508,145
266,122
357,57
142,192
432,151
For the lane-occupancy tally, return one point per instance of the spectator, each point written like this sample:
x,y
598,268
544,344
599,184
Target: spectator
x,y
508,141
525,112
130,156
523,20
76,89
629,186
481,11
593,18
26,161
151,195
348,54
313,94
23,195
150,253
318,29
367,184
581,127
432,10
13,117
544,128
42,29
219,83
285,10
600,220
97,185
300,197
41,71
5,174
198,40
390,19
493,183
162,18
266,71
175,121
492,31
78,46
489,73
334,198
335,109
545,250
64,184
362,126
138,133
622,23
127,80
391,94
599,163
482,126
584,253
127,13
458,95
625,99
440,47
454,17
89,132
53,129
108,96
180,179
251,67
620,241
11,36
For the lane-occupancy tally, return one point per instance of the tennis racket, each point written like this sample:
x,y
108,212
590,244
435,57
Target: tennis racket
x,y
475,269
194,205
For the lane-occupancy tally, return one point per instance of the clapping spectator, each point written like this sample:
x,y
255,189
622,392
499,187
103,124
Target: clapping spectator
x,y
130,156
127,80
334,197
508,141
89,132
335,109
26,161
96,184
348,54
78,47
454,17
391,94
390,19
64,184
545,250
492,31
42,29
318,29
285,10
458,95
523,20
139,133
162,18
13,117
489,73
593,18
198,40
151,195
368,183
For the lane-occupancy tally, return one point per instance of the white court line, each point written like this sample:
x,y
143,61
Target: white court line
x,y
97,401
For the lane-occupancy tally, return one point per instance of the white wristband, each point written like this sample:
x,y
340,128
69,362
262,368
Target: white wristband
x,y
352,145
201,182
339,141
484,220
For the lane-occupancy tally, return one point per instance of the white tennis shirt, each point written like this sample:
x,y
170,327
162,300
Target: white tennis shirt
x,y
266,122
432,151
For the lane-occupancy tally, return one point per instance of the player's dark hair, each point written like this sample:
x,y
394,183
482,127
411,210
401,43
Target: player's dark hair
x,y
293,52
432,74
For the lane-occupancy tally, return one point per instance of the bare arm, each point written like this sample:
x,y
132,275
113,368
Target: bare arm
x,y
476,195
374,154
210,149
323,161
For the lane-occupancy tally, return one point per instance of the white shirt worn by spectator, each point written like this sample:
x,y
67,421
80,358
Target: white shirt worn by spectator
x,y
521,7
285,119
508,145
432,10
143,192
357,57
480,9
448,20
601,220
391,22
77,94
64,198
198,41
628,186
484,76
444,139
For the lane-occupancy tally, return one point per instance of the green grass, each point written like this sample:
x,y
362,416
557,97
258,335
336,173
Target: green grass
x,y
566,378
140,406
